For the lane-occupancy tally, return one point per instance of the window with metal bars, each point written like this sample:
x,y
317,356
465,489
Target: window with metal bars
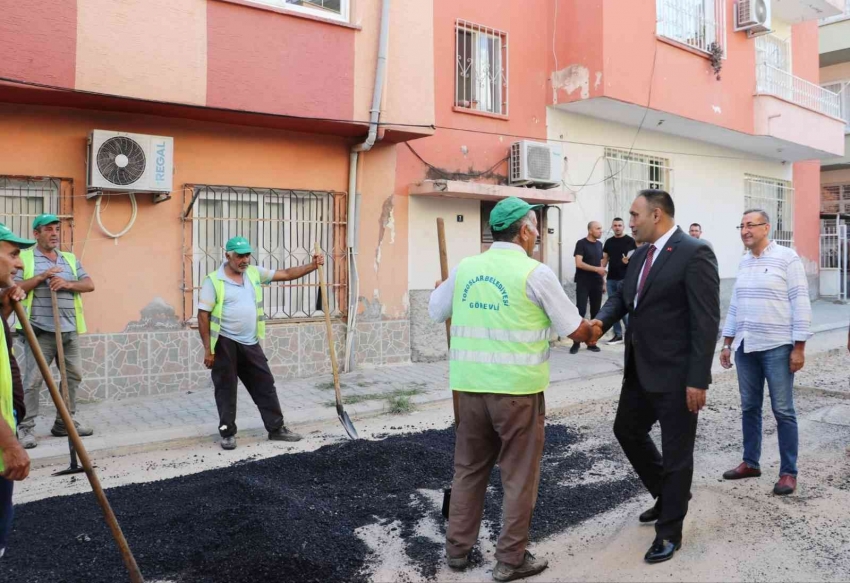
x,y
282,226
835,199
626,174
776,197
699,24
24,198
481,56
842,88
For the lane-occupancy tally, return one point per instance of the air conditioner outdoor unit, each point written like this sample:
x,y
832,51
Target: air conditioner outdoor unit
x,y
752,16
122,162
536,163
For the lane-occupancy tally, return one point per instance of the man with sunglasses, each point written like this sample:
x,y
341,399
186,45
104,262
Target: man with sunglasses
x,y
767,327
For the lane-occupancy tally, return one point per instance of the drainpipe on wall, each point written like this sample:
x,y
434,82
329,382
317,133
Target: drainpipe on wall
x,y
353,208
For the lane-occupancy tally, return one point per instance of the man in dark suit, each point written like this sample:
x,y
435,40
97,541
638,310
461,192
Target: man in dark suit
x,y
671,293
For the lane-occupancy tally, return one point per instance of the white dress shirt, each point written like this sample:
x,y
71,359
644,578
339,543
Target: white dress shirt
x,y
659,245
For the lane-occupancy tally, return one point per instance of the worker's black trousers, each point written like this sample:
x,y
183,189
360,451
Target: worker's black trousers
x,y
235,362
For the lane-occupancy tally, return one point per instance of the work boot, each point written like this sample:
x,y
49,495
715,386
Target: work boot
x,y
742,471
574,348
458,563
228,443
59,430
26,438
530,567
786,485
284,434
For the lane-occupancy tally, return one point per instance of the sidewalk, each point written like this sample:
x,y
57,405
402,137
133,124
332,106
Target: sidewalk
x,y
192,415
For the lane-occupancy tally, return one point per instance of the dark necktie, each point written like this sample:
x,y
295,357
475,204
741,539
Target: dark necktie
x,y
646,267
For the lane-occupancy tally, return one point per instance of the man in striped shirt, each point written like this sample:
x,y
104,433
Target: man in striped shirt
x,y
767,327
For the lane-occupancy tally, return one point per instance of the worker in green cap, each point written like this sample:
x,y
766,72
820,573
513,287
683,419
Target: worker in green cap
x,y
14,461
231,321
502,304
48,268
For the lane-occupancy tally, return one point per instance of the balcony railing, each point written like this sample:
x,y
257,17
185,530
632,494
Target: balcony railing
x,y
771,80
699,24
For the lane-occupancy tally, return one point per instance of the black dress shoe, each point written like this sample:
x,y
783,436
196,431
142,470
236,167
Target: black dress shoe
x,y
574,348
662,550
654,513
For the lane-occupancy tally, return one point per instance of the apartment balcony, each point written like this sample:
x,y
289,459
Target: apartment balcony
x,y
794,11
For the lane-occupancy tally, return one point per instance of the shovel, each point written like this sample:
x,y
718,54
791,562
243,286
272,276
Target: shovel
x,y
109,515
444,275
343,416
74,468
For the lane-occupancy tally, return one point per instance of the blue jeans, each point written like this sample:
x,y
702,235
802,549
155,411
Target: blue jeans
x,y
6,511
754,369
611,287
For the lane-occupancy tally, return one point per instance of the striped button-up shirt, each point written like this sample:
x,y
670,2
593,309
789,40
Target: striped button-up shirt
x,y
770,302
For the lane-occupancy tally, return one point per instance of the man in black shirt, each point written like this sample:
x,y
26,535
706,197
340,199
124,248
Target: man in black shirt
x,y
615,256
589,277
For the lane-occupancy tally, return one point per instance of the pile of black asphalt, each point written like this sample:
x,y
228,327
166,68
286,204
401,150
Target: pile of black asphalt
x,y
291,517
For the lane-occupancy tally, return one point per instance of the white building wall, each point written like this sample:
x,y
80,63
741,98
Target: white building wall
x,y
707,183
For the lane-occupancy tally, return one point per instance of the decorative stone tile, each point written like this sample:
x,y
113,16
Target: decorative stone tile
x,y
127,355
91,391
316,367
196,352
200,381
168,383
396,339
284,373
368,349
281,346
313,341
93,354
127,387
169,353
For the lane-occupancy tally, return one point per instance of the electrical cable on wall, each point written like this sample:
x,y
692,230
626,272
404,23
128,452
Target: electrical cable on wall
x,y
129,225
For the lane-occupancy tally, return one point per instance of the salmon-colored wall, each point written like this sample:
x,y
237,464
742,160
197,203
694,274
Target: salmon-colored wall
x,y
805,62
259,60
38,41
151,49
146,263
807,212
576,58
483,141
683,82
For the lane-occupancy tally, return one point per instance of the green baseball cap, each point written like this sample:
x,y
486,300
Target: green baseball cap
x,y
45,219
239,245
508,211
7,235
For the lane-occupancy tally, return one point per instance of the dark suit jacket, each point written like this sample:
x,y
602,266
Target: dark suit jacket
x,y
672,332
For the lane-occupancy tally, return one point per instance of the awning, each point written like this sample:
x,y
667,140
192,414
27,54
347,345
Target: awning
x,y
492,192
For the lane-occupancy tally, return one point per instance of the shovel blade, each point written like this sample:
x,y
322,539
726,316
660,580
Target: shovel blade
x,y
348,425
69,471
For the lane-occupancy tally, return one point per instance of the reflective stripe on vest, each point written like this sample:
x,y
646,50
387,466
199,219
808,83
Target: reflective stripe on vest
x,y
7,403
28,259
215,317
500,338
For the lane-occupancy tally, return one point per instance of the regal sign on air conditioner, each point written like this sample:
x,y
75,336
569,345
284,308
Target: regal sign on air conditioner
x,y
124,162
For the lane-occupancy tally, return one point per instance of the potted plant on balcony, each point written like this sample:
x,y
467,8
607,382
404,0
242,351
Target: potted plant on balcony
x,y
715,56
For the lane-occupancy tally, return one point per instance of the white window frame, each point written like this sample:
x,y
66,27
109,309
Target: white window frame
x,y
696,24
776,197
468,65
46,190
626,174
343,15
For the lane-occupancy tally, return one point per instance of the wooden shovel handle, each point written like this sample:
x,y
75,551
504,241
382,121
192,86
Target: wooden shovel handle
x,y
326,310
444,275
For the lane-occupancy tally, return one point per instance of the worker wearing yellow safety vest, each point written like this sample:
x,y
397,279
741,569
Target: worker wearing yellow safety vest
x,y
14,461
46,268
231,322
502,304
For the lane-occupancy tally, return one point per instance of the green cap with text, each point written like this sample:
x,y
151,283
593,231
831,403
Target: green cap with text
x,y
7,235
239,245
508,211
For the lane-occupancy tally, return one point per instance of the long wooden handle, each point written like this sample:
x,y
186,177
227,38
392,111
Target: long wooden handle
x,y
444,275
111,521
60,350
326,310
